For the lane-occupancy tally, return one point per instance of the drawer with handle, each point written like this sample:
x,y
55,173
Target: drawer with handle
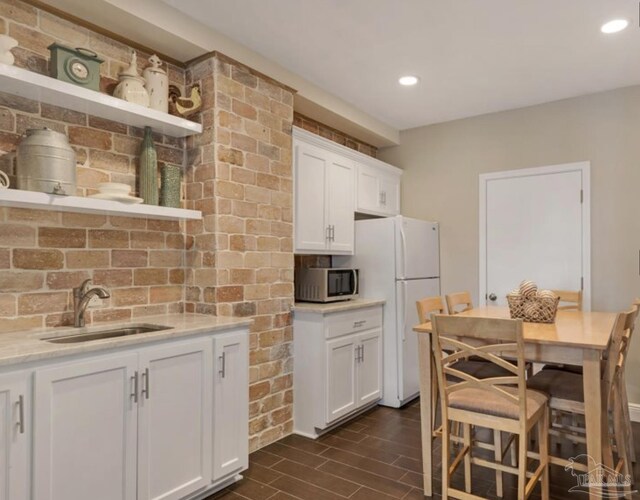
x,y
346,322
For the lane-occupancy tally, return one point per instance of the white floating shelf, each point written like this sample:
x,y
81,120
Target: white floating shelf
x,y
23,83
42,201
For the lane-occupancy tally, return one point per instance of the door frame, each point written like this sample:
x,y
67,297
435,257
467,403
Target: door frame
x,y
584,167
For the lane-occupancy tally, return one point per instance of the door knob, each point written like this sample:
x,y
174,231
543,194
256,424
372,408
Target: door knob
x,y
492,297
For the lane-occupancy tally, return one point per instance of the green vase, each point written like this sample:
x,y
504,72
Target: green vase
x,y
170,186
148,169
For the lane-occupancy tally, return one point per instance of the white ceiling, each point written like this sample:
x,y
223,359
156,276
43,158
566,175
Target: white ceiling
x,y
473,56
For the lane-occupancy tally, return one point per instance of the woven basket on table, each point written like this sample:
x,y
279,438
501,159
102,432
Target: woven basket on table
x,y
534,309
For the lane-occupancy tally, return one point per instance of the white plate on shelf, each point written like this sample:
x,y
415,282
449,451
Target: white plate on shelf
x,y
122,198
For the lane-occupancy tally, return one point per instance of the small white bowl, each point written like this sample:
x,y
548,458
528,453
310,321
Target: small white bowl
x,y
114,187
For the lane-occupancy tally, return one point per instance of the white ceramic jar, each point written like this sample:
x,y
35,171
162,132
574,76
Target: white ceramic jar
x,y
157,85
131,86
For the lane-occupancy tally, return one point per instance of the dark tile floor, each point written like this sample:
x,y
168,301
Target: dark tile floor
x,y
375,456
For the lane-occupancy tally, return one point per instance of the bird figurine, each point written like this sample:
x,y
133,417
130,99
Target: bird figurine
x,y
184,106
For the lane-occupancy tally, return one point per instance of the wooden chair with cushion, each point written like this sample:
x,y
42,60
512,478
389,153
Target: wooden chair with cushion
x,y
479,368
570,300
502,403
566,394
459,302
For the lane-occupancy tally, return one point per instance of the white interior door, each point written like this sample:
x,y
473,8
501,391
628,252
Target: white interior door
x,y
536,227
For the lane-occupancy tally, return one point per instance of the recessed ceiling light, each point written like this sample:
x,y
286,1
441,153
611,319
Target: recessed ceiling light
x,y
614,26
408,80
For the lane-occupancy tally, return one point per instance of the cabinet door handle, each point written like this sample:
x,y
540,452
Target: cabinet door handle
x,y
145,381
357,354
134,378
21,414
362,350
384,198
223,364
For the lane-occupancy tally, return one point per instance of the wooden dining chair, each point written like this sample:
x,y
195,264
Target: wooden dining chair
x,y
570,300
566,394
503,403
459,302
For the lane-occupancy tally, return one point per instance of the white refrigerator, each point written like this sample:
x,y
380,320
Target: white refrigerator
x,y
399,261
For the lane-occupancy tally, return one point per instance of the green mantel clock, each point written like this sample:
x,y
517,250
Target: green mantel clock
x,y
78,66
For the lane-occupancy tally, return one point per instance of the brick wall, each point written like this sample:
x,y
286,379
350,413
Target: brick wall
x,y
240,174
334,135
43,254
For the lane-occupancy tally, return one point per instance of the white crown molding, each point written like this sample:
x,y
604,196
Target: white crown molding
x,y
321,142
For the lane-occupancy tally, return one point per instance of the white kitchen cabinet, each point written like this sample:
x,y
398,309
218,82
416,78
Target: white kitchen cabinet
x,y
174,420
341,375
85,430
348,379
138,423
369,383
15,436
324,201
231,404
378,188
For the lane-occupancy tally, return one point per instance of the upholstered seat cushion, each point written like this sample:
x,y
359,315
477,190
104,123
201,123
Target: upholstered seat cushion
x,y
481,369
564,368
488,403
558,384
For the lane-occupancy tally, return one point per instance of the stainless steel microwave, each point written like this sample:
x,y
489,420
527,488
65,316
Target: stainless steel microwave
x,y
317,284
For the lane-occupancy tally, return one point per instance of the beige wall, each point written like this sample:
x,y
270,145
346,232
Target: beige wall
x,y
442,162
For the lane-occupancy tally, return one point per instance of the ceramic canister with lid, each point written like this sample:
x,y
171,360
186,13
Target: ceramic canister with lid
x,y
46,162
157,84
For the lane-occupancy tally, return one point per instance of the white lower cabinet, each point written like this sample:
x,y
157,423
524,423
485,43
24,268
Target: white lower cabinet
x,y
348,379
86,429
341,376
154,422
15,436
230,404
174,420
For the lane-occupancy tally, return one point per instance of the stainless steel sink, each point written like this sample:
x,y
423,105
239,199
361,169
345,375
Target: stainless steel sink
x,y
106,334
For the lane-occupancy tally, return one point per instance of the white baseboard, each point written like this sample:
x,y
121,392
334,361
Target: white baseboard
x,y
634,412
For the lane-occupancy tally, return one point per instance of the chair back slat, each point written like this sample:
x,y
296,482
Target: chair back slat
x,y
618,350
428,306
459,302
459,335
458,350
570,300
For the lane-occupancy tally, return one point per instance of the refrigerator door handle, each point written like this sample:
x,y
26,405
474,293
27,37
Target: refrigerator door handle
x,y
403,242
404,309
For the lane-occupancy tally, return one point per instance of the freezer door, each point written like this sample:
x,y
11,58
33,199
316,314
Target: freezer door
x,y
408,292
417,249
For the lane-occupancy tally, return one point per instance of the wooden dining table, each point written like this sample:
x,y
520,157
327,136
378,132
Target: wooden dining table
x,y
576,338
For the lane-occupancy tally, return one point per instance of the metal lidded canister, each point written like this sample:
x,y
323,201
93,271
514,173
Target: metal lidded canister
x,y
46,163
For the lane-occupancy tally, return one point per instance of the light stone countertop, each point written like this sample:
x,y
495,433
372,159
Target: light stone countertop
x,y
27,346
332,307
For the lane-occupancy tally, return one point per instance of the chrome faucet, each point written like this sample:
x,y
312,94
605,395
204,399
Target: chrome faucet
x,y
81,297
